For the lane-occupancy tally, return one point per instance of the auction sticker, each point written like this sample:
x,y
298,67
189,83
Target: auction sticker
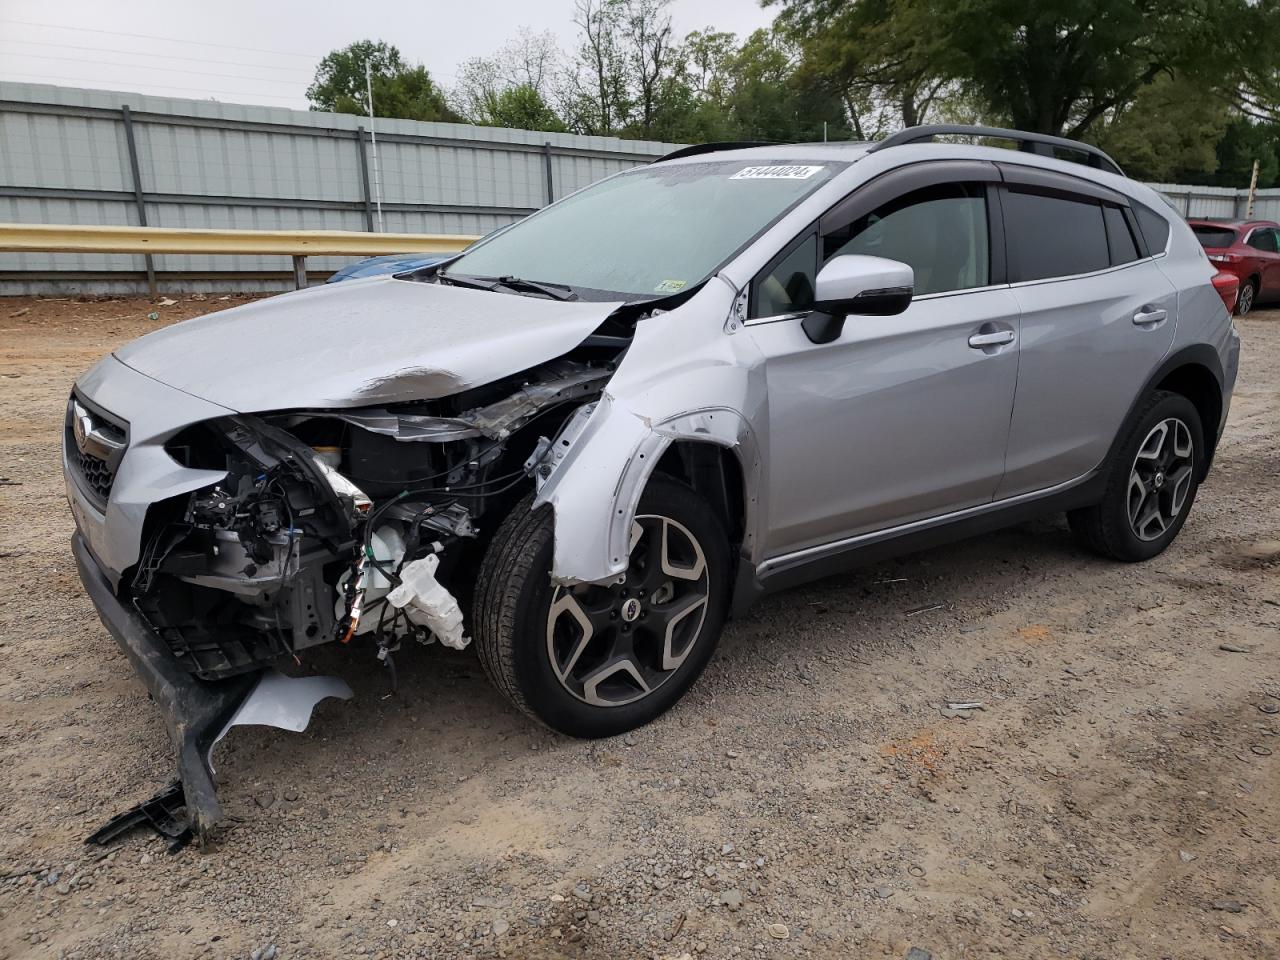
x,y
776,172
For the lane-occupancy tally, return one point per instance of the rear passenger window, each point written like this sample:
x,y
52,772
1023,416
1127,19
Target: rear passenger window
x,y
1053,236
1119,236
1155,229
1263,239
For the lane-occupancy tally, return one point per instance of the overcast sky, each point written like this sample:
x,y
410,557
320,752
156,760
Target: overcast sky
x,y
265,51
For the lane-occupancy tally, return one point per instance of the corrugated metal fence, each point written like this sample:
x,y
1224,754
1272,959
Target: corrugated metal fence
x,y
1220,201
69,155
96,157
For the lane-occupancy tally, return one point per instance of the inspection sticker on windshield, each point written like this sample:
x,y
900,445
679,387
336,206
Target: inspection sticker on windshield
x,y
776,172
670,286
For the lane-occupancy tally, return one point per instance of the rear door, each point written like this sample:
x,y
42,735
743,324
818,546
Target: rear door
x,y
1097,314
1263,240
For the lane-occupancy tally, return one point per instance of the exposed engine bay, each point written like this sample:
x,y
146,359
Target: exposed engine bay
x,y
361,523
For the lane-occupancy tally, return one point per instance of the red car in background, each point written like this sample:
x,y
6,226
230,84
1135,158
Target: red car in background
x,y
1250,249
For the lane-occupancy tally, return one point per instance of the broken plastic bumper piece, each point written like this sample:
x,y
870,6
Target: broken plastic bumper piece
x,y
197,713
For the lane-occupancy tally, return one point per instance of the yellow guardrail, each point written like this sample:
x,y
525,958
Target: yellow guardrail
x,y
75,238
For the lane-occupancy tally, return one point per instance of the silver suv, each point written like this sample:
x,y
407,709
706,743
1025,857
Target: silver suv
x,y
593,436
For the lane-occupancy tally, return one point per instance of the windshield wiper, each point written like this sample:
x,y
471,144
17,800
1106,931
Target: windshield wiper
x,y
462,280
556,291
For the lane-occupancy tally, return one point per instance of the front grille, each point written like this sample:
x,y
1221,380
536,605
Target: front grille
x,y
95,443
95,473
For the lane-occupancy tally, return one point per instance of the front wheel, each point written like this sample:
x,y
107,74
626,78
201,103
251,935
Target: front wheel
x,y
1151,483
597,660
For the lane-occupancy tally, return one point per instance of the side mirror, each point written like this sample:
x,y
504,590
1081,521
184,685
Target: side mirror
x,y
865,286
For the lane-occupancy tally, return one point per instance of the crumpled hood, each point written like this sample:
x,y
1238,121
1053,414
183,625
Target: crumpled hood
x,y
360,343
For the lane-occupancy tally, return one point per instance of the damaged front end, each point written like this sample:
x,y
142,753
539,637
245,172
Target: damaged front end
x,y
358,525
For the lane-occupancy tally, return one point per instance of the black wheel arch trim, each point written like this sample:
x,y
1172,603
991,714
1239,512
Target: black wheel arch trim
x,y
1196,354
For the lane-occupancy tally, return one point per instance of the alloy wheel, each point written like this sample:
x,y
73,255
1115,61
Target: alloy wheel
x,y
1244,300
1160,479
610,645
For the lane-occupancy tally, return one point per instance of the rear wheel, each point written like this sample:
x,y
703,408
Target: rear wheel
x,y
595,660
1245,298
1151,484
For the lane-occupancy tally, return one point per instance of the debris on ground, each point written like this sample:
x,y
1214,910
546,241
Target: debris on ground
x,y
915,611
732,899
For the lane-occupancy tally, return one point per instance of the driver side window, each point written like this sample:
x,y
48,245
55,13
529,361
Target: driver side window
x,y
940,231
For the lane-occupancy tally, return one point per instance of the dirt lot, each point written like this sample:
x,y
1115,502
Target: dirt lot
x,y
1116,796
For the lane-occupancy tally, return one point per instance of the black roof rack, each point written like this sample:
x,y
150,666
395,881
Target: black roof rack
x,y
700,148
1038,143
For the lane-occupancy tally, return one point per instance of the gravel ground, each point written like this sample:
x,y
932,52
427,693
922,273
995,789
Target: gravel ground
x,y
1115,795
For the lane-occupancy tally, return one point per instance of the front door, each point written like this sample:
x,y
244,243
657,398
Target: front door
x,y
903,417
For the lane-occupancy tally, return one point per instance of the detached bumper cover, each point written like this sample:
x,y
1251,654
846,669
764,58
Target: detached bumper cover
x,y
198,713
195,711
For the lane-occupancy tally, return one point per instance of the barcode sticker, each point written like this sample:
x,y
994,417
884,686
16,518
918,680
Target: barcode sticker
x,y
776,172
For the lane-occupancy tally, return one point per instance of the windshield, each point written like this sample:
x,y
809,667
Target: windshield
x,y
653,231
1214,237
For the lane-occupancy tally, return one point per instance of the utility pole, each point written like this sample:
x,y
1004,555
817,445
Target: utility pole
x,y
373,138
1253,192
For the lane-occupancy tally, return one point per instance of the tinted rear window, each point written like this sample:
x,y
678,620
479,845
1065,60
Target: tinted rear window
x,y
1119,236
1213,238
1053,236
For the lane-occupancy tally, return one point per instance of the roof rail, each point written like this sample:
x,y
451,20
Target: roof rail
x,y
700,148
1038,143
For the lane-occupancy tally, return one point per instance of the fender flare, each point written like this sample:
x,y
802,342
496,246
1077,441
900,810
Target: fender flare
x,y
1199,354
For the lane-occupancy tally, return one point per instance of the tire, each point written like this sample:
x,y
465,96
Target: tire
x,y
1152,482
581,659
1246,298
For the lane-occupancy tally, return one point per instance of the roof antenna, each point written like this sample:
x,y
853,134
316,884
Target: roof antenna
x,y
373,137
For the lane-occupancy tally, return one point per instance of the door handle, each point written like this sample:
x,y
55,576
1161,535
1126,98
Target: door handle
x,y
1150,317
994,339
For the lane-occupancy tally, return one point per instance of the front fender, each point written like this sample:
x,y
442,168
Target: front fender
x,y
683,379
595,491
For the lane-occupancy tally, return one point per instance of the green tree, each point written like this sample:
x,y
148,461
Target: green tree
x,y
705,55
1052,66
646,29
522,107
1168,133
399,89
1245,141
771,100
514,87
880,55
597,99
